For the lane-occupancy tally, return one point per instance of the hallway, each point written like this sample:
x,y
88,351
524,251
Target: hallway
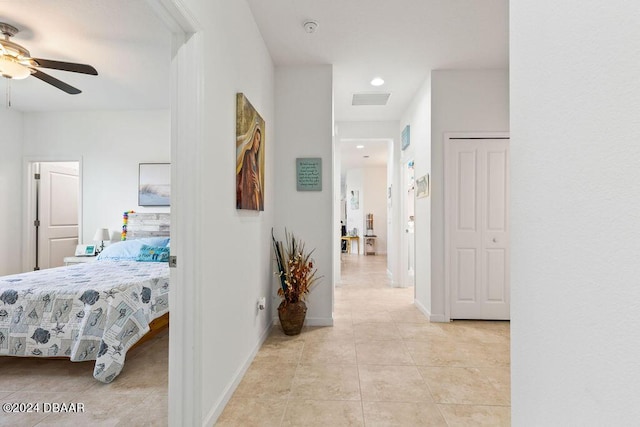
x,y
381,364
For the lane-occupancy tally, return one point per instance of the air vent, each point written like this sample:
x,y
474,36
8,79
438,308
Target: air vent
x,y
376,98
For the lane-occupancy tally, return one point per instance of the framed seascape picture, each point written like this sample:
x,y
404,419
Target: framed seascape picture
x,y
250,140
154,184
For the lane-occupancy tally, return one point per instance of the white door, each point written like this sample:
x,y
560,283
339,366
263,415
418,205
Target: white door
x,y
478,221
58,214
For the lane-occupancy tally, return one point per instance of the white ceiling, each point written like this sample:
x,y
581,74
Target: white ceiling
x,y
123,39
353,157
399,40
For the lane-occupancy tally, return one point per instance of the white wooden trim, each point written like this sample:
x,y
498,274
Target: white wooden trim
x,y
310,321
318,321
422,308
185,382
448,136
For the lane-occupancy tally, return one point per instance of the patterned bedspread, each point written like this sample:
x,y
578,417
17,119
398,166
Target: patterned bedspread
x,y
91,311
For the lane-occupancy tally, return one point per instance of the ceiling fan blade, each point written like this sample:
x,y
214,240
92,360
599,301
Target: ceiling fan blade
x,y
66,66
55,82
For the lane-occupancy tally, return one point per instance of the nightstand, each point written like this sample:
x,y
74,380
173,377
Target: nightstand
x,y
71,260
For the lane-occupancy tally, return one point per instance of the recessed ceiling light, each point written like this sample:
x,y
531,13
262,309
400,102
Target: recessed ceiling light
x,y
359,146
377,82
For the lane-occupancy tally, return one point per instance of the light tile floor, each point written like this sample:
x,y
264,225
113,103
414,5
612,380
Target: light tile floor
x,y
138,397
381,364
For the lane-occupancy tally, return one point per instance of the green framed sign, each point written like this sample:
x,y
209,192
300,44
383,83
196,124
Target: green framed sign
x,y
309,174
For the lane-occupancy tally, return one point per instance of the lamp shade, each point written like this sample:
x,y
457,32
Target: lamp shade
x,y
101,235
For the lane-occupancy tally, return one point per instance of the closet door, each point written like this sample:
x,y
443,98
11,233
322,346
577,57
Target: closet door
x,y
477,213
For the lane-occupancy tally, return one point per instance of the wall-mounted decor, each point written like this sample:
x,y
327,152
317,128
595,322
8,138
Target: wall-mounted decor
x,y
354,200
154,184
406,137
250,140
422,186
309,174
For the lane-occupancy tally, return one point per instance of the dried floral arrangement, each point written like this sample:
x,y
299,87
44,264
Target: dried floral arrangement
x,y
295,268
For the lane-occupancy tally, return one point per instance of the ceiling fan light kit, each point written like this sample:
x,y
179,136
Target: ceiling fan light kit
x,y
12,69
16,63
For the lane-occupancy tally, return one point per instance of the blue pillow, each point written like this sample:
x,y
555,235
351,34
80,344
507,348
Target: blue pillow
x,y
153,254
155,241
126,250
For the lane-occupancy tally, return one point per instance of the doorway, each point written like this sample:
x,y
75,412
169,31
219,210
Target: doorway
x,y
53,213
477,226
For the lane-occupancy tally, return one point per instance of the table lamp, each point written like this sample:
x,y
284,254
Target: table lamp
x,y
101,235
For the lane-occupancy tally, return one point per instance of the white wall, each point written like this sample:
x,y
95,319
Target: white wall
x,y
575,108
461,101
11,137
355,217
375,202
304,125
371,184
110,144
235,267
418,116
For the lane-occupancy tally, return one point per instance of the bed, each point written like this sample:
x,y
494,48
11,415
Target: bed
x,y
90,311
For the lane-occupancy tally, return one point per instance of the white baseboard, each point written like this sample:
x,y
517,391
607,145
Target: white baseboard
x,y
318,321
311,321
392,283
422,308
217,409
436,318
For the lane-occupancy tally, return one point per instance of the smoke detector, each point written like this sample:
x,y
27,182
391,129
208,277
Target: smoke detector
x,y
310,26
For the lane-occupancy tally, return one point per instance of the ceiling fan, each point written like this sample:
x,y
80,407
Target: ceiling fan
x,y
16,63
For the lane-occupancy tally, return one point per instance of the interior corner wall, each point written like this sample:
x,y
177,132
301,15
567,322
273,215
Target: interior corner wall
x,y
304,125
575,181
461,101
111,145
11,137
418,117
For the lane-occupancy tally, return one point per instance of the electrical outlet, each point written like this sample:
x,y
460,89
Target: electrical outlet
x,y
262,303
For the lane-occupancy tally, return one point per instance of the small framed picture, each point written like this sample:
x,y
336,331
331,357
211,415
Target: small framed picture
x,y
422,186
154,184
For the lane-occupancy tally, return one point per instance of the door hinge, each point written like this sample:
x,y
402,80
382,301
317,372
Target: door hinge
x,y
36,223
36,176
173,261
